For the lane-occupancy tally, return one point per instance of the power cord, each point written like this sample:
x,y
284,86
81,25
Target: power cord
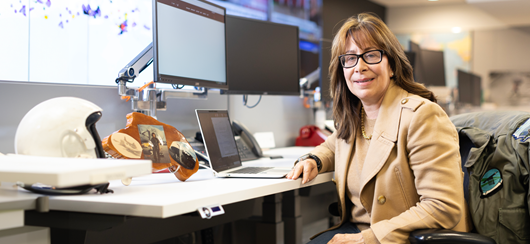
x,y
208,168
245,100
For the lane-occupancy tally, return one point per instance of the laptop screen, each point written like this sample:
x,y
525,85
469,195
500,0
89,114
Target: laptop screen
x,y
218,139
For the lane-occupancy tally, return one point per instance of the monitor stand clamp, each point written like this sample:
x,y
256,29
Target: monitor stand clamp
x,y
148,99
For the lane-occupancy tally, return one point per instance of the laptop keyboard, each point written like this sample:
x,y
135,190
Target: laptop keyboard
x,y
250,170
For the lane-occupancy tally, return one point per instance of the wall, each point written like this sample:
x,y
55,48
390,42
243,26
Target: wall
x,y
500,50
439,18
283,115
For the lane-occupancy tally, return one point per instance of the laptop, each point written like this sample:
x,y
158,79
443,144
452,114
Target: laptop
x,y
222,151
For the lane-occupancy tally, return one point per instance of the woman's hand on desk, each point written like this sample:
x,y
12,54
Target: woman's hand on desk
x,y
309,169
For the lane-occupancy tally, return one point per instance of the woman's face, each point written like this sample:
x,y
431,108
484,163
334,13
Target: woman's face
x,y
368,82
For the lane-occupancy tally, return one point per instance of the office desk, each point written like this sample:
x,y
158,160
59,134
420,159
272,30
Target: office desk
x,y
158,206
12,206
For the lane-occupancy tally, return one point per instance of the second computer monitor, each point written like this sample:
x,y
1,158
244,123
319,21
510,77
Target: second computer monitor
x,y
469,88
433,67
263,57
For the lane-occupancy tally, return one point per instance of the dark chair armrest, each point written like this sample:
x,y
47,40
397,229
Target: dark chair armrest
x,y
333,209
441,236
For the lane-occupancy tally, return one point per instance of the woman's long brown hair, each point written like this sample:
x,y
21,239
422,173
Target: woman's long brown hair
x,y
366,29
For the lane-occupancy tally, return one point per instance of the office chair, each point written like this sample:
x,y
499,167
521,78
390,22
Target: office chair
x,y
489,140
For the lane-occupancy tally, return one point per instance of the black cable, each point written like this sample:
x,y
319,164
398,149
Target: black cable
x,y
245,99
176,86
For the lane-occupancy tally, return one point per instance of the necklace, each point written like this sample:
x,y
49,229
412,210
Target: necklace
x,y
362,125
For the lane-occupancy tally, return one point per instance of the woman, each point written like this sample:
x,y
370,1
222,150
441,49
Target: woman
x,y
395,151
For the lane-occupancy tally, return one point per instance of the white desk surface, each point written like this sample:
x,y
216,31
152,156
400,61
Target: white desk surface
x,y
288,152
12,199
67,172
12,206
163,195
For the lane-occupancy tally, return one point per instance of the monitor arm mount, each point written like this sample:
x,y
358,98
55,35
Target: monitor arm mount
x,y
149,99
308,80
311,98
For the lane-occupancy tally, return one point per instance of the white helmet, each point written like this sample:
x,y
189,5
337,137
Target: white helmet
x,y
60,127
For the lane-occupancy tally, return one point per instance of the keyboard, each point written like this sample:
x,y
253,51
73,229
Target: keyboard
x,y
250,170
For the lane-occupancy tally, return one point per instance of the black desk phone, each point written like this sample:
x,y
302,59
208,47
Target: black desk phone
x,y
247,145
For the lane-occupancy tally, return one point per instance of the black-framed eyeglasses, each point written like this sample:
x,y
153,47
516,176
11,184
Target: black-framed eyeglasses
x,y
370,57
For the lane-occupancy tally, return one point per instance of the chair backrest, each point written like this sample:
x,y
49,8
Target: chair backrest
x,y
496,160
465,147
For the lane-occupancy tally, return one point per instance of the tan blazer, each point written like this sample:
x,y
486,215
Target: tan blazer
x,y
411,178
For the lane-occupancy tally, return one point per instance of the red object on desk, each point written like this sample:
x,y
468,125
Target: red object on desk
x,y
311,135
166,170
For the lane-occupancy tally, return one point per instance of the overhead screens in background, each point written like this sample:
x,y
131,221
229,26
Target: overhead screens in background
x,y
411,56
433,67
263,57
189,44
255,9
428,65
469,88
415,52
307,15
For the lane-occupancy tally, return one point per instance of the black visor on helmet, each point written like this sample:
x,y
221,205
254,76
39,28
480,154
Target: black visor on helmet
x,y
91,127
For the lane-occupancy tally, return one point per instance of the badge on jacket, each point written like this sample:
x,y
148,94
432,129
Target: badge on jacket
x,y
522,133
491,182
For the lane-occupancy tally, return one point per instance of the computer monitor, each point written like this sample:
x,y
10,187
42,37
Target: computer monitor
x,y
189,43
325,59
469,88
309,59
433,67
417,67
411,56
263,57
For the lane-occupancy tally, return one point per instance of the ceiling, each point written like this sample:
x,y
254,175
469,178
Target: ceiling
x,y
510,12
